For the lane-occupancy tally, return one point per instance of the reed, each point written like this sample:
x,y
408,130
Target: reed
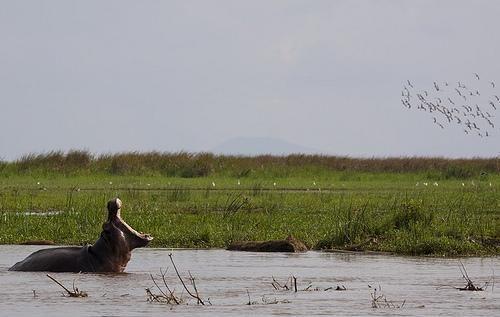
x,y
191,165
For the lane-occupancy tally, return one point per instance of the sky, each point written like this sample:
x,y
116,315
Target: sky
x,y
325,76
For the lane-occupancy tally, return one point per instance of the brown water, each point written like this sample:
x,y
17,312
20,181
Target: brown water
x,y
426,285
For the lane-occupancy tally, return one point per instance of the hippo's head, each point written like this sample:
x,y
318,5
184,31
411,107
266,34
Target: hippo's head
x,y
117,232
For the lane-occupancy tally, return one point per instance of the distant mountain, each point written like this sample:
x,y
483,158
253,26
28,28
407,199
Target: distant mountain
x,y
260,145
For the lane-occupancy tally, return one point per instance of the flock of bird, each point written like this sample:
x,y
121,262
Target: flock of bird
x,y
457,103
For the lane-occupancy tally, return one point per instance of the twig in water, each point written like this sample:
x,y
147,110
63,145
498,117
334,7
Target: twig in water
x,y
197,297
177,301
277,286
163,297
191,278
151,296
249,300
380,301
470,285
74,293
294,286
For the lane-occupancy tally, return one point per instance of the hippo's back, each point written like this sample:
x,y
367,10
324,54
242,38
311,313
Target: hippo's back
x,y
63,259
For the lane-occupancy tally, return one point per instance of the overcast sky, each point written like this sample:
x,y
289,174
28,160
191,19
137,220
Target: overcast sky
x,y
110,76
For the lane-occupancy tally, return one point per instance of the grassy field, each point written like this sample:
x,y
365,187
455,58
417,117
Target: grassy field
x,y
406,205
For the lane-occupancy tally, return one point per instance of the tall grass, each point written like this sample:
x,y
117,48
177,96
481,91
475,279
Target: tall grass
x,y
189,165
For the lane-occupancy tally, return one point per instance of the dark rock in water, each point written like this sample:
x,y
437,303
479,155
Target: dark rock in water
x,y
38,242
290,244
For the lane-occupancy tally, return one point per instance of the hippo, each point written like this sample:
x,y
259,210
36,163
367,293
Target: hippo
x,y
110,253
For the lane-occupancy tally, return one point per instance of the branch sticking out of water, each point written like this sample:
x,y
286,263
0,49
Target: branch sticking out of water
x,y
266,300
279,287
380,301
249,300
470,285
74,293
164,297
166,285
191,278
168,296
292,280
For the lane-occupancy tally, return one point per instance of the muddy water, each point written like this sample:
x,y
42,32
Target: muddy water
x,y
425,284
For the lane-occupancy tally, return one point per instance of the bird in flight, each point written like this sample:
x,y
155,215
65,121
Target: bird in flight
x,y
446,109
436,86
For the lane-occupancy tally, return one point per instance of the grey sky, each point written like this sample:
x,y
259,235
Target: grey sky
x,y
111,76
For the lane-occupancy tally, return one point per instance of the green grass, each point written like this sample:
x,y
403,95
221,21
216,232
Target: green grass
x,y
324,207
